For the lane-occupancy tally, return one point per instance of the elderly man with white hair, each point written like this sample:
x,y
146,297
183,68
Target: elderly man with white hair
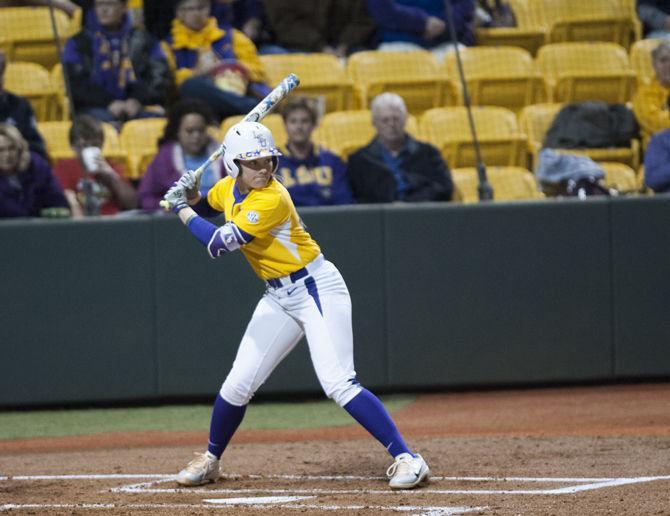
x,y
394,166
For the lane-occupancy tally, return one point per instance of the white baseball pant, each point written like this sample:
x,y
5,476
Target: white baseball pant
x,y
317,306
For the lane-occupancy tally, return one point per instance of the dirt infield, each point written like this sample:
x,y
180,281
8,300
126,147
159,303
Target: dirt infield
x,y
562,451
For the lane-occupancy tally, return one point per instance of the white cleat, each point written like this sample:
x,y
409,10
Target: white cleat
x,y
201,470
407,472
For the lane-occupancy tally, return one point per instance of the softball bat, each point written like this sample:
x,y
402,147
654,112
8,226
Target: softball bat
x,y
281,91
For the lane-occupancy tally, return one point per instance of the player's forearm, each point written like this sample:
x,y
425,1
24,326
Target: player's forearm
x,y
201,229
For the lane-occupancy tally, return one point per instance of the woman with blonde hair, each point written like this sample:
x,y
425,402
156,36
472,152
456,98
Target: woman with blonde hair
x,y
27,185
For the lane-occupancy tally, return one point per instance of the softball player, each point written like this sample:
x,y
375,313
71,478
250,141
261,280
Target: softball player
x,y
305,295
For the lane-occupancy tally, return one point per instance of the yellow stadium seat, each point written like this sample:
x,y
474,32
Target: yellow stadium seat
x,y
321,75
56,137
498,134
273,121
536,120
640,59
343,132
620,176
530,32
32,81
60,105
139,139
498,76
591,20
29,35
508,183
414,75
586,71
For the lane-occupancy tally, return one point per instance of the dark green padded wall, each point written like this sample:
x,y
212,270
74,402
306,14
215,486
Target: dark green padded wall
x,y
501,293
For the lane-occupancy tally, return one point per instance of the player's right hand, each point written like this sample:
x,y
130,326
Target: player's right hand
x,y
191,183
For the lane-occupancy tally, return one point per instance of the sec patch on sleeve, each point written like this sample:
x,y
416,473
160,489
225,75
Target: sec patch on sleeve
x,y
252,217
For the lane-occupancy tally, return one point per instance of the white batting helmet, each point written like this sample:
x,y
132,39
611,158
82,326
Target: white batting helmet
x,y
246,141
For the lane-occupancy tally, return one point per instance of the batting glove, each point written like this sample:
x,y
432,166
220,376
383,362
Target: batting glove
x,y
176,198
191,183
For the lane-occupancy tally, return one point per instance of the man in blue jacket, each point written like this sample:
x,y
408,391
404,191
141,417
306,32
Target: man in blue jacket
x,y
394,166
314,176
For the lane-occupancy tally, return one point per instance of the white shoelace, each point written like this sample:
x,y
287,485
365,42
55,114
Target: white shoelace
x,y
398,466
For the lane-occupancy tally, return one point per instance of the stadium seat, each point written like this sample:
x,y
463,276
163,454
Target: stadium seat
x,y
60,104
273,121
29,36
499,138
508,183
620,176
343,132
139,139
415,76
535,122
56,137
530,32
592,20
640,59
498,76
586,71
32,81
321,75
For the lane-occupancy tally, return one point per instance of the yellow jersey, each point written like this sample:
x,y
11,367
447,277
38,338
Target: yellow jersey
x,y
280,243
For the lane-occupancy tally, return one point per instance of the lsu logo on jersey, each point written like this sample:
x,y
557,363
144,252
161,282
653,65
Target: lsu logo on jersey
x,y
322,176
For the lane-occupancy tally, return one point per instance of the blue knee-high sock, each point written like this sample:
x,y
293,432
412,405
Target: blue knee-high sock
x,y
368,410
225,420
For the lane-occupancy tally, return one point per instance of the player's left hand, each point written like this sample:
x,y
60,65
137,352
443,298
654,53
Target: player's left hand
x,y
176,198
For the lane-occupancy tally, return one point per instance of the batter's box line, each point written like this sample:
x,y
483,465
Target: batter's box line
x,y
226,504
584,484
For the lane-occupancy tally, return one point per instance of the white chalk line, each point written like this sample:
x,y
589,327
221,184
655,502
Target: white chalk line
x,y
586,484
422,510
166,477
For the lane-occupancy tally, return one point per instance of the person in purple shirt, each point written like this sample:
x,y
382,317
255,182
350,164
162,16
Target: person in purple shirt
x,y
185,145
27,186
314,176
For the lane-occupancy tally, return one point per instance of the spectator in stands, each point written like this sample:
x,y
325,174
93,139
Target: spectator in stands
x,y
245,15
655,18
416,24
395,166
91,184
650,102
27,186
337,27
314,176
16,110
116,70
657,162
218,65
185,145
